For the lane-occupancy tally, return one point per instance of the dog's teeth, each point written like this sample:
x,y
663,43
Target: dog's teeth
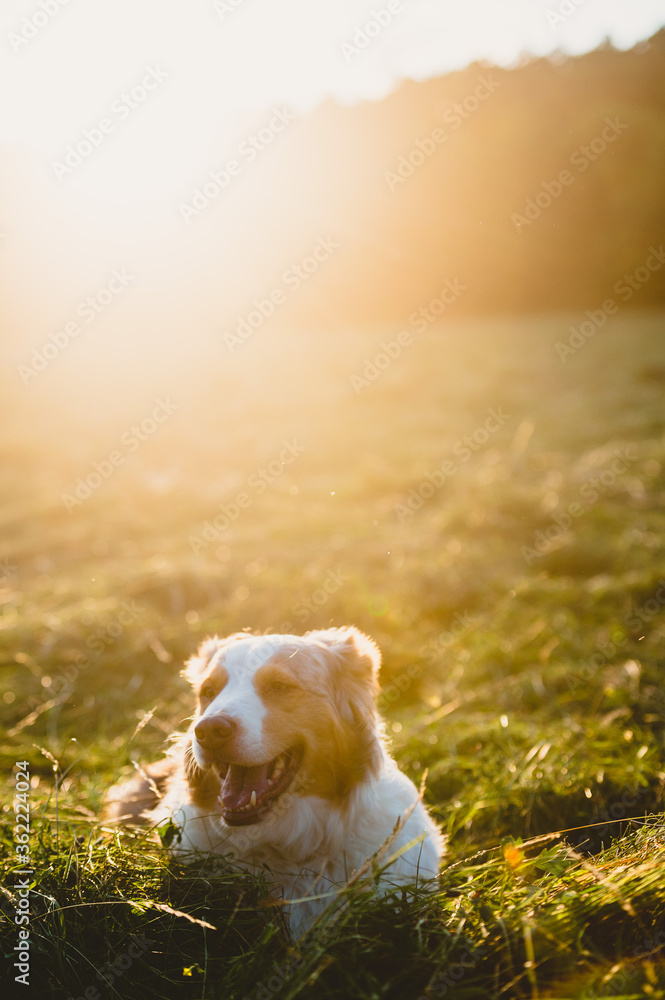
x,y
252,798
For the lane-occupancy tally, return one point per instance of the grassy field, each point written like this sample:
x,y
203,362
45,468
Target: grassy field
x,y
491,513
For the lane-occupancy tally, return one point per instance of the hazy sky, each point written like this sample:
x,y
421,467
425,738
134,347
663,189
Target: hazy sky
x,y
64,58
66,63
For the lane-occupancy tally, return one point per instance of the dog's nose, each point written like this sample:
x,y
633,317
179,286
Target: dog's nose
x,y
213,732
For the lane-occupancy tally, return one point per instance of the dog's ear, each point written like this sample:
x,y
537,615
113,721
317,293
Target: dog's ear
x,y
355,669
197,664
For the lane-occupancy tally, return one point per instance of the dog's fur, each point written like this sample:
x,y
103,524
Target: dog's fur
x,y
293,720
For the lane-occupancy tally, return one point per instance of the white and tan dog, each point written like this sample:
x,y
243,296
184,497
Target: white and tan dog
x,y
285,766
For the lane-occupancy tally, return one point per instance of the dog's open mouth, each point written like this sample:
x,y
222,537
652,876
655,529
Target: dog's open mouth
x,y
248,793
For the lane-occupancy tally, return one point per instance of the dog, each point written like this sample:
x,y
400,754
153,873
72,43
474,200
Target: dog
x,y
286,765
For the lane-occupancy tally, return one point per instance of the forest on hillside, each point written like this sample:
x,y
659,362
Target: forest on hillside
x,y
538,188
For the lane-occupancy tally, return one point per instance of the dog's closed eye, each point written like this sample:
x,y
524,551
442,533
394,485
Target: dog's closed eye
x,y
279,687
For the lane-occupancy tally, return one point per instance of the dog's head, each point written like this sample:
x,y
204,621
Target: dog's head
x,y
280,711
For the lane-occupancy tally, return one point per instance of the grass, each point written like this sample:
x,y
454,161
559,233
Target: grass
x,y
522,651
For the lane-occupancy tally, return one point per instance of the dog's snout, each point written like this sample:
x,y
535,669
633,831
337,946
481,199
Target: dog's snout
x,y
215,731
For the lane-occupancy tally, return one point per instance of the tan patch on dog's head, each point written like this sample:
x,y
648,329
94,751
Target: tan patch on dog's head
x,y
324,698
210,684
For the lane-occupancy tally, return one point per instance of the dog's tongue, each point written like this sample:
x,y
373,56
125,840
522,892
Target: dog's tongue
x,y
241,781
